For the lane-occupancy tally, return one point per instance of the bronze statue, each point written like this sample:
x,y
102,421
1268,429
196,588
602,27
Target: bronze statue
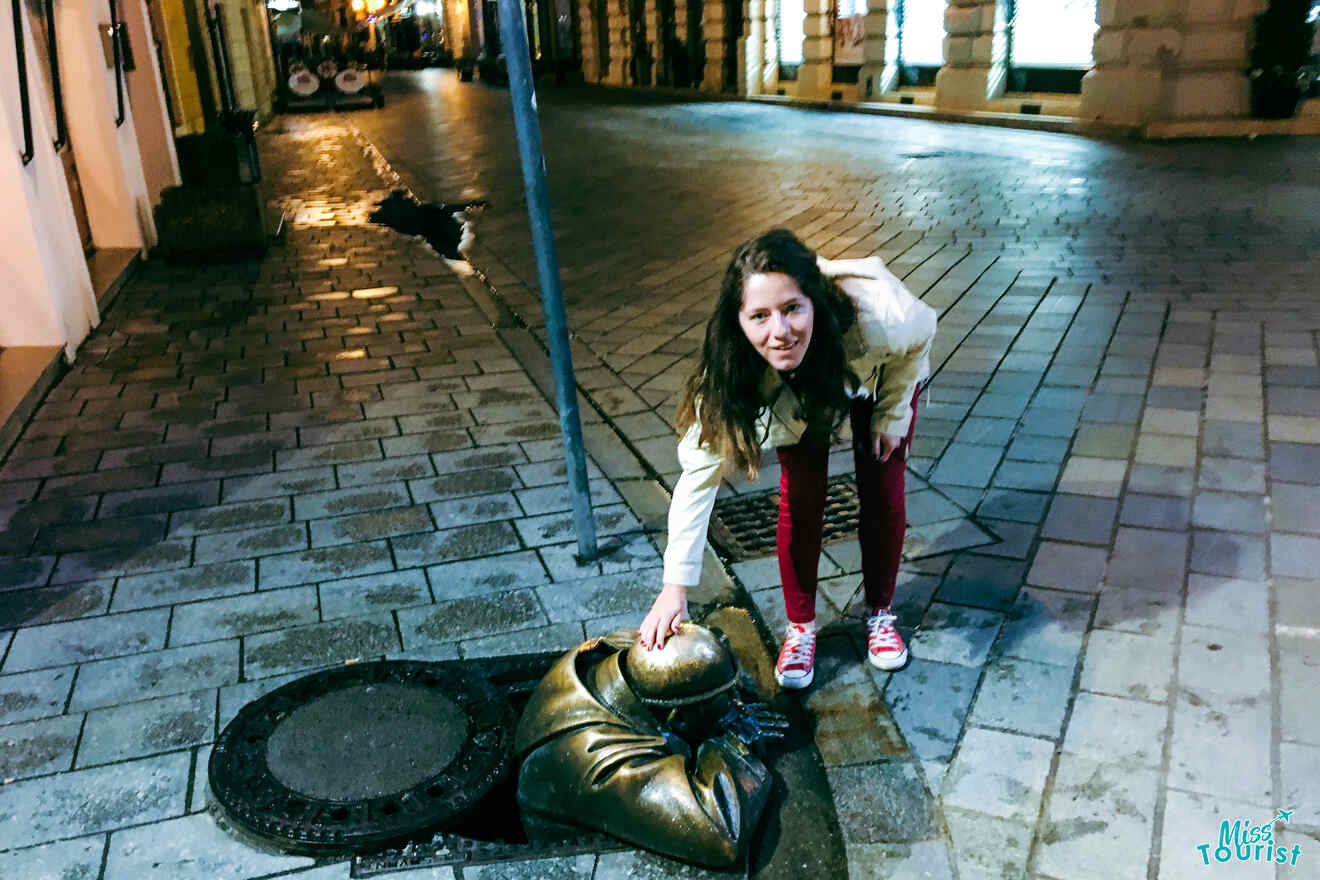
x,y
654,747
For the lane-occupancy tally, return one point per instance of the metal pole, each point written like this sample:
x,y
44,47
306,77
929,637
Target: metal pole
x,y
514,37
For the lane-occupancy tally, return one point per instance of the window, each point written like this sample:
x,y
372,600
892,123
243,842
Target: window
x,y
1053,33
792,15
921,32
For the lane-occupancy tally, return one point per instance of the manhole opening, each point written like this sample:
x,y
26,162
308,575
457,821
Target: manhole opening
x,y
361,775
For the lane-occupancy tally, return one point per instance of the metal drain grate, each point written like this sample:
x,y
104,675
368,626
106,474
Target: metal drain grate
x,y
744,526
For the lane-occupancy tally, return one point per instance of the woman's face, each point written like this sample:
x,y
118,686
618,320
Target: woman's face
x,y
777,318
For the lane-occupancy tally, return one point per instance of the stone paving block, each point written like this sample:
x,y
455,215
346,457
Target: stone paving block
x,y
63,860
1155,512
1294,463
390,470
388,590
1299,766
323,563
1235,439
153,852
137,729
1080,518
74,567
217,467
982,581
1026,507
953,634
1127,665
185,585
1213,662
929,702
1046,626
464,542
241,615
1160,480
625,552
139,477
927,860
1147,559
1002,774
322,644
1166,450
31,695
1136,742
471,617
249,543
985,847
312,457
229,517
640,865
357,499
559,496
1212,731
156,674
77,641
556,527
91,801
448,463
599,596
464,483
125,532
967,465
1098,821
1038,448
28,571
35,748
1023,696
1232,408
1181,421
1227,603
1098,477
234,697
475,509
54,604
494,573
162,499
1228,555
1295,509
1067,567
881,803
1294,555
851,723
1104,441
368,526
1228,512
291,482
555,637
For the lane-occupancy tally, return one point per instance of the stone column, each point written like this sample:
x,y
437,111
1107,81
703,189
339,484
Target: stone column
x,y
589,41
975,54
713,30
879,71
752,80
817,69
1169,59
620,42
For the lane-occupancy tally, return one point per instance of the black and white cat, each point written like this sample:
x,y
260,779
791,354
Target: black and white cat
x,y
448,228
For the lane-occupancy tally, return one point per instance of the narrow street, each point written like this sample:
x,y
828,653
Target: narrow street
x,y
255,470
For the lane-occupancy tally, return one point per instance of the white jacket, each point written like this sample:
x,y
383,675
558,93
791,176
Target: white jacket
x,y
888,347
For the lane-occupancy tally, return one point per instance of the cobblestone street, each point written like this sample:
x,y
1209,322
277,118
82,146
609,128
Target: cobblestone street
x,y
252,471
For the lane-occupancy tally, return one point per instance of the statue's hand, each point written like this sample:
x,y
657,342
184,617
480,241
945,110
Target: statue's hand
x,y
754,723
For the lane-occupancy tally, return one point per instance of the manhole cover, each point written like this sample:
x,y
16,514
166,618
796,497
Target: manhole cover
x,y
744,525
352,758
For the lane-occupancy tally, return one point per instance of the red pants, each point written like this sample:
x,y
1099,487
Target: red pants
x,y
881,522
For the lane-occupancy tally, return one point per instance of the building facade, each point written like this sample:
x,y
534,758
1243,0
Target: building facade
x,y
1125,62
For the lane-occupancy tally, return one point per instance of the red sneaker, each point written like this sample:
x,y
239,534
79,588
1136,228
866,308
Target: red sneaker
x,y
796,665
884,646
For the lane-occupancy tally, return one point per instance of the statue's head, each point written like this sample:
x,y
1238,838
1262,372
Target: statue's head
x,y
695,666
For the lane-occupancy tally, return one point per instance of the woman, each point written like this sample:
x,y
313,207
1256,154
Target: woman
x,y
795,345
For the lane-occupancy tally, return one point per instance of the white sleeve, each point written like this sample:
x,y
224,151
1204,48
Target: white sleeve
x,y
690,509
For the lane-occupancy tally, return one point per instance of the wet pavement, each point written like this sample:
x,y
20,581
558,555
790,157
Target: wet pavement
x,y
258,470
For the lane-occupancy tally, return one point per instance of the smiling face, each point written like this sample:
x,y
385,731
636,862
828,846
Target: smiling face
x,y
777,319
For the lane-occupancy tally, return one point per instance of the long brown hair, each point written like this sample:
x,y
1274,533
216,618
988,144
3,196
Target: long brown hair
x,y
726,384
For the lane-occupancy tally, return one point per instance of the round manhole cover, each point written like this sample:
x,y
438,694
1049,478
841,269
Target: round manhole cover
x,y
355,757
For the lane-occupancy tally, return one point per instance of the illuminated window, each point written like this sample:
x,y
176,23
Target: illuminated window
x,y
1053,33
921,32
791,18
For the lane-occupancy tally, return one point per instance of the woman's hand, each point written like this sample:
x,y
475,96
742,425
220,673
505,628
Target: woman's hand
x,y
885,444
666,613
